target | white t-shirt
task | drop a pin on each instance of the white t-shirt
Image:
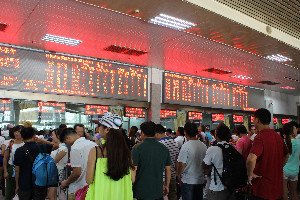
(180, 140)
(192, 153)
(13, 151)
(78, 157)
(2, 141)
(63, 162)
(214, 156)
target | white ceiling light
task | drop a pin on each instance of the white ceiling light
(171, 22)
(279, 58)
(288, 88)
(241, 77)
(61, 40)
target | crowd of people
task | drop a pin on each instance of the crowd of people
(152, 163)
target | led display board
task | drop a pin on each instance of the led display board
(135, 112)
(187, 90)
(168, 114)
(194, 115)
(216, 117)
(275, 120)
(285, 121)
(6, 105)
(95, 109)
(252, 119)
(25, 70)
(56, 107)
(238, 118)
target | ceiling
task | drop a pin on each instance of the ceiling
(215, 41)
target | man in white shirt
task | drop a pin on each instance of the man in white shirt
(189, 160)
(180, 139)
(214, 157)
(80, 149)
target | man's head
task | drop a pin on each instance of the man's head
(79, 128)
(223, 133)
(180, 131)
(160, 131)
(190, 130)
(28, 133)
(68, 136)
(253, 130)
(148, 129)
(240, 130)
(169, 132)
(108, 121)
(262, 118)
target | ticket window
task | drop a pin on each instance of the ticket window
(168, 118)
(168, 123)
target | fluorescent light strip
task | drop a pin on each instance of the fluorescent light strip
(171, 22)
(241, 77)
(279, 58)
(288, 88)
(61, 40)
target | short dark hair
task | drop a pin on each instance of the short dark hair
(223, 132)
(66, 132)
(169, 131)
(241, 129)
(134, 128)
(62, 126)
(148, 128)
(191, 129)
(13, 130)
(160, 129)
(263, 115)
(293, 123)
(28, 133)
(78, 125)
(181, 130)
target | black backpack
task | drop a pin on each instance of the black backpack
(234, 174)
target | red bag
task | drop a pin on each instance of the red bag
(81, 193)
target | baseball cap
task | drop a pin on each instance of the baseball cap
(110, 120)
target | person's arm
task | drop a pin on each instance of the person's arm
(167, 179)
(180, 168)
(251, 162)
(133, 174)
(3, 146)
(60, 156)
(90, 173)
(206, 168)
(17, 170)
(5, 163)
(76, 172)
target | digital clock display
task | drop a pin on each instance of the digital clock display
(238, 118)
(217, 117)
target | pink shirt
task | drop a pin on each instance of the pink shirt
(244, 145)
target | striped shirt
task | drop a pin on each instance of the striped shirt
(172, 146)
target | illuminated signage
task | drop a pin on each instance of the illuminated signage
(285, 121)
(168, 114)
(194, 115)
(217, 117)
(275, 120)
(95, 109)
(238, 118)
(56, 107)
(32, 71)
(6, 105)
(252, 119)
(135, 112)
(196, 91)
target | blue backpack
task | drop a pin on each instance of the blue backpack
(45, 171)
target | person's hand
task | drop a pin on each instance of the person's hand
(166, 190)
(5, 175)
(64, 184)
(17, 189)
(251, 177)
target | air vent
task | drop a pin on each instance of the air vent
(124, 50)
(3, 27)
(268, 83)
(292, 79)
(217, 71)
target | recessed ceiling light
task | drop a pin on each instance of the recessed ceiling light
(241, 77)
(279, 58)
(61, 40)
(171, 22)
(288, 88)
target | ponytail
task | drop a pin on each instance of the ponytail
(287, 131)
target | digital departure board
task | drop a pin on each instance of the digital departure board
(168, 114)
(252, 119)
(216, 117)
(95, 109)
(195, 91)
(6, 105)
(238, 118)
(56, 107)
(285, 121)
(194, 115)
(275, 120)
(135, 112)
(40, 72)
